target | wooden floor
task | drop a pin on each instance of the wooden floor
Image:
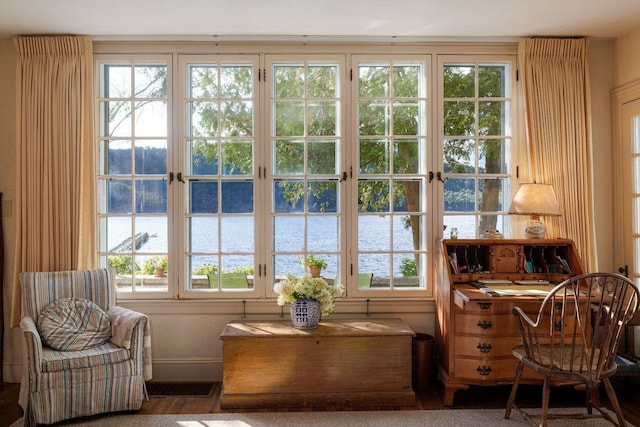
(627, 389)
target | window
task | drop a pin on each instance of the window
(221, 173)
(133, 163)
(218, 142)
(392, 170)
(305, 145)
(476, 145)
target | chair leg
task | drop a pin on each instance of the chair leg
(514, 390)
(589, 400)
(613, 399)
(545, 402)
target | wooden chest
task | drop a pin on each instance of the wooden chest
(342, 363)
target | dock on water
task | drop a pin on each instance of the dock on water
(126, 245)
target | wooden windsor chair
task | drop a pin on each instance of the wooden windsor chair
(575, 339)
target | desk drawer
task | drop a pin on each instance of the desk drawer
(486, 325)
(500, 325)
(492, 369)
(487, 369)
(485, 346)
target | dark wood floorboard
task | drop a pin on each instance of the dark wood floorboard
(627, 389)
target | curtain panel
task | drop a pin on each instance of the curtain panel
(558, 127)
(55, 201)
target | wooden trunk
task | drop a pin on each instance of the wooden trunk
(269, 364)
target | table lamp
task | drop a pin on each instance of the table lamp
(535, 200)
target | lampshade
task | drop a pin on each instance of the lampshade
(535, 200)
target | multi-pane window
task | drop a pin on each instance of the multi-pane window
(476, 146)
(220, 174)
(219, 140)
(133, 163)
(305, 146)
(391, 170)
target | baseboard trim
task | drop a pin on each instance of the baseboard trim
(187, 370)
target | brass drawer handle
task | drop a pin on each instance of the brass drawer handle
(484, 347)
(484, 370)
(484, 305)
(485, 324)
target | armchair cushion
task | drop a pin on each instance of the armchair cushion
(73, 324)
(104, 354)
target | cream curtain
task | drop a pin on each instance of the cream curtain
(55, 202)
(557, 112)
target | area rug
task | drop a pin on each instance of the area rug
(446, 417)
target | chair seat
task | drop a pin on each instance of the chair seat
(564, 358)
(563, 363)
(105, 354)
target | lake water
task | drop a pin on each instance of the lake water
(373, 236)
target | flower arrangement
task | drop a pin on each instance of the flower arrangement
(294, 288)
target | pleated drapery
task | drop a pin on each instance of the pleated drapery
(55, 201)
(557, 114)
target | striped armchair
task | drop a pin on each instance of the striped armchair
(58, 385)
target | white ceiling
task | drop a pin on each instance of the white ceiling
(328, 19)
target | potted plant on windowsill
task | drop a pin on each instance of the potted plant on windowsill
(156, 266)
(315, 265)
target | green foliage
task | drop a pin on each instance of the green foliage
(206, 269)
(212, 269)
(408, 267)
(121, 263)
(461, 117)
(246, 270)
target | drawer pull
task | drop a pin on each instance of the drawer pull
(484, 347)
(484, 305)
(485, 324)
(484, 370)
(558, 325)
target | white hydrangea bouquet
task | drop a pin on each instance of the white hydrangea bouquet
(295, 288)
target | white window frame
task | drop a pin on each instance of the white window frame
(433, 56)
(137, 291)
(512, 166)
(427, 273)
(308, 59)
(181, 206)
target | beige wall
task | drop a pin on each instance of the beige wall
(12, 355)
(601, 54)
(627, 58)
(197, 354)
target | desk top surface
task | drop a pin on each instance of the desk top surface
(327, 328)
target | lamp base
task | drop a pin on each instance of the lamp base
(534, 229)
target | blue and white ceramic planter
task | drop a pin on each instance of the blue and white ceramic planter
(305, 313)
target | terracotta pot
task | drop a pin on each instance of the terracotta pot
(159, 272)
(315, 270)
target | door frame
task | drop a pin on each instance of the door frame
(622, 97)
